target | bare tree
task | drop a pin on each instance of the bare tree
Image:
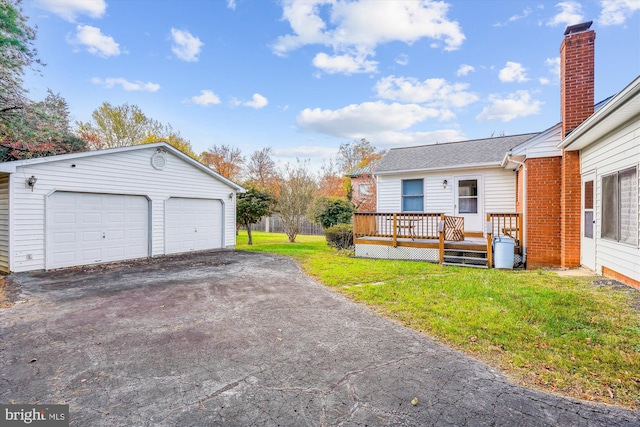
(297, 186)
(356, 154)
(261, 169)
(225, 160)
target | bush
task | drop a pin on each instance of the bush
(340, 236)
(329, 211)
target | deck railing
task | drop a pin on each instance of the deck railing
(397, 225)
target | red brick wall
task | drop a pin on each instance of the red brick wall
(571, 191)
(364, 202)
(576, 103)
(576, 79)
(543, 212)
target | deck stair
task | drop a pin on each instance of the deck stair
(466, 257)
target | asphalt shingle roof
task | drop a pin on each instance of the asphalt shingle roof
(451, 154)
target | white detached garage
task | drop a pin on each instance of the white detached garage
(111, 205)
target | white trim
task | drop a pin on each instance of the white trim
(440, 169)
(597, 123)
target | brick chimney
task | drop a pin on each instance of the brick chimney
(576, 75)
(576, 104)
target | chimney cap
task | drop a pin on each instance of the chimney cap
(578, 28)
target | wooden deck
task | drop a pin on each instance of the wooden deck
(435, 231)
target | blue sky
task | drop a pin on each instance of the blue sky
(304, 76)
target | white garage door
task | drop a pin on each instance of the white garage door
(192, 225)
(84, 228)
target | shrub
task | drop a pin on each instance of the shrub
(329, 211)
(340, 236)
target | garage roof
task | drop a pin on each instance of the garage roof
(10, 167)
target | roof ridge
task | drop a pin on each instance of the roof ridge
(466, 140)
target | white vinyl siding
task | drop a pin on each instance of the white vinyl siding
(126, 172)
(616, 152)
(543, 145)
(498, 186)
(4, 223)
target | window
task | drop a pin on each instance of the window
(588, 209)
(620, 206)
(468, 196)
(412, 195)
(364, 190)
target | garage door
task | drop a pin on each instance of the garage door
(84, 228)
(192, 225)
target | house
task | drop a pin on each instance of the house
(111, 205)
(364, 187)
(608, 146)
(540, 189)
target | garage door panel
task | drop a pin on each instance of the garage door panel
(85, 228)
(192, 224)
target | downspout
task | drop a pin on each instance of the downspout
(524, 206)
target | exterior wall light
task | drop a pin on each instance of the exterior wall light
(444, 184)
(230, 196)
(31, 182)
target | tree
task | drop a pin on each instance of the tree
(330, 211)
(225, 160)
(165, 133)
(16, 54)
(357, 154)
(253, 205)
(120, 126)
(261, 169)
(331, 182)
(297, 187)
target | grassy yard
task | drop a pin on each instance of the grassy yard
(569, 335)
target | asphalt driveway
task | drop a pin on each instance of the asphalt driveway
(243, 339)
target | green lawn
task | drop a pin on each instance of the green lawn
(561, 334)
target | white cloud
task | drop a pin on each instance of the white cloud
(185, 46)
(345, 64)
(433, 92)
(128, 86)
(258, 101)
(402, 59)
(616, 12)
(70, 9)
(368, 117)
(513, 72)
(465, 69)
(544, 81)
(517, 104)
(231, 4)
(526, 12)
(356, 28)
(553, 64)
(570, 14)
(95, 42)
(206, 97)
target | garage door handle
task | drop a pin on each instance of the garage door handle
(195, 230)
(104, 235)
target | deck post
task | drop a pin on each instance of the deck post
(395, 230)
(489, 230)
(441, 238)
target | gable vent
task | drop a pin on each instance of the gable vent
(158, 161)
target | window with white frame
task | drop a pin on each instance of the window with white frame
(412, 195)
(620, 206)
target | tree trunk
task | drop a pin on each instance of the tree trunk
(250, 239)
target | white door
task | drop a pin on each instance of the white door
(87, 228)
(588, 222)
(192, 225)
(468, 201)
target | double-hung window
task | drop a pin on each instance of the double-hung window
(620, 206)
(412, 195)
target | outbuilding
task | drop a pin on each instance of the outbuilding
(111, 205)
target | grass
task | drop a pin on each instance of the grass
(560, 334)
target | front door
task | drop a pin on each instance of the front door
(588, 222)
(468, 201)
